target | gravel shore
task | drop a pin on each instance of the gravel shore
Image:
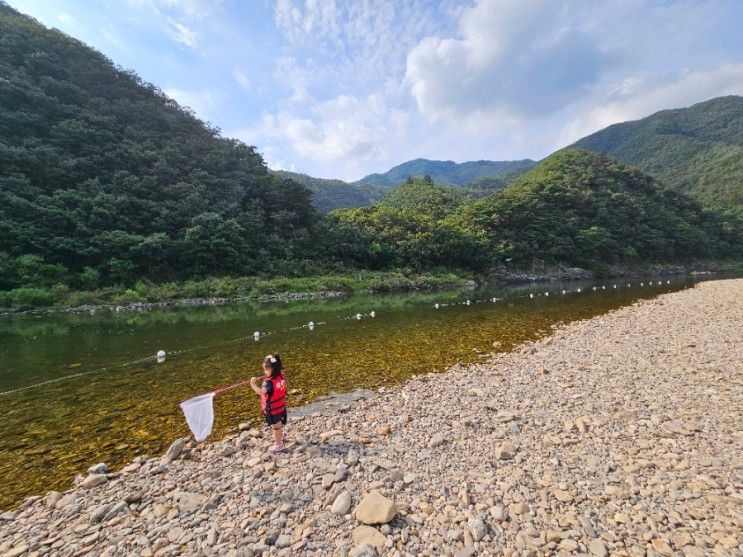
(621, 435)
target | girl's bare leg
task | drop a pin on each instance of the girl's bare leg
(277, 433)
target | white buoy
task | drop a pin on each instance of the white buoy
(603, 287)
(668, 282)
(615, 286)
(628, 285)
(546, 293)
(642, 284)
(358, 316)
(437, 306)
(311, 325)
(160, 356)
(256, 336)
(594, 288)
(563, 292)
(468, 302)
(372, 313)
(579, 290)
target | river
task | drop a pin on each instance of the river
(80, 389)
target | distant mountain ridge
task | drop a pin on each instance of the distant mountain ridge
(447, 172)
(481, 177)
(329, 193)
(697, 150)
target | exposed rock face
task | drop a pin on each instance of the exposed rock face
(629, 445)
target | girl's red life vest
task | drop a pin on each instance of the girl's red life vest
(277, 403)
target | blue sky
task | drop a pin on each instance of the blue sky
(339, 89)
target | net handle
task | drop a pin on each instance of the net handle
(230, 387)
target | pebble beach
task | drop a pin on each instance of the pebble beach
(617, 435)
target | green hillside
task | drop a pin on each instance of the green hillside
(697, 150)
(105, 179)
(446, 172)
(330, 194)
(574, 208)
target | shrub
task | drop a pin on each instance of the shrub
(31, 297)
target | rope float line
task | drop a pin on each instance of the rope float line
(160, 356)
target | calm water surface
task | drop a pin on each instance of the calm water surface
(77, 389)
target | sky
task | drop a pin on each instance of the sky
(340, 89)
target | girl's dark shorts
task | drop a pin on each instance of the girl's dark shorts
(273, 420)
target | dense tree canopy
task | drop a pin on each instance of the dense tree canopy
(101, 171)
(574, 208)
(697, 150)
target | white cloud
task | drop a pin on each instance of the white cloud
(345, 132)
(640, 95)
(367, 39)
(190, 9)
(66, 18)
(202, 102)
(241, 79)
(182, 34)
(523, 57)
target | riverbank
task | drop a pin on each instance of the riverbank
(221, 291)
(539, 272)
(618, 434)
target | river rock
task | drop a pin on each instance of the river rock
(342, 503)
(94, 480)
(100, 468)
(375, 509)
(367, 534)
(51, 498)
(173, 451)
(597, 548)
(477, 528)
(189, 502)
(363, 550)
(16, 551)
(506, 451)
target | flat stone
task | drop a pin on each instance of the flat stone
(563, 496)
(506, 451)
(598, 548)
(94, 480)
(16, 551)
(367, 534)
(375, 509)
(188, 501)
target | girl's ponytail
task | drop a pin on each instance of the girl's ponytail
(274, 362)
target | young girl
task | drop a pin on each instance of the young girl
(273, 398)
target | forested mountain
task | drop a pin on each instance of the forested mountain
(103, 178)
(475, 178)
(446, 172)
(330, 194)
(106, 181)
(575, 208)
(697, 150)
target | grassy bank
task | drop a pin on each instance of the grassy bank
(61, 296)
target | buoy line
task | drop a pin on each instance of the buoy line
(161, 355)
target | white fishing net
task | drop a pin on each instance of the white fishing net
(199, 415)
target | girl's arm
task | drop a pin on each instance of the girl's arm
(254, 385)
